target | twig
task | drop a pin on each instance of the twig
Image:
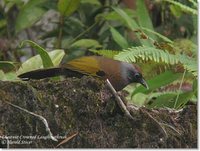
(119, 101)
(67, 139)
(157, 123)
(132, 107)
(172, 110)
(171, 127)
(36, 115)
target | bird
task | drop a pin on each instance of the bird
(120, 74)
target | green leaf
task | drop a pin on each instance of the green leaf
(183, 99)
(11, 76)
(128, 20)
(176, 11)
(158, 81)
(3, 23)
(106, 53)
(113, 15)
(30, 13)
(57, 56)
(167, 99)
(7, 76)
(139, 99)
(118, 38)
(8, 65)
(131, 23)
(46, 60)
(86, 43)
(94, 2)
(164, 100)
(35, 62)
(2, 76)
(143, 17)
(67, 7)
(157, 34)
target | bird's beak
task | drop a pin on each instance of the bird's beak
(144, 83)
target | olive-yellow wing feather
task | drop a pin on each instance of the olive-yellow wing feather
(85, 65)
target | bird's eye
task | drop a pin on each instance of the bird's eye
(137, 76)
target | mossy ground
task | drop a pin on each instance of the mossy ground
(85, 106)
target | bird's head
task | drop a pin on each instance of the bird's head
(132, 74)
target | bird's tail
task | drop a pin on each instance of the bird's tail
(46, 73)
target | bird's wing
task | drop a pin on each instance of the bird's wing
(85, 65)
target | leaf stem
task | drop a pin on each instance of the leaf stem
(84, 32)
(59, 41)
(179, 89)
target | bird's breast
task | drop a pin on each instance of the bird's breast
(112, 70)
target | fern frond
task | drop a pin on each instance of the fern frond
(183, 7)
(189, 64)
(106, 53)
(195, 4)
(145, 53)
